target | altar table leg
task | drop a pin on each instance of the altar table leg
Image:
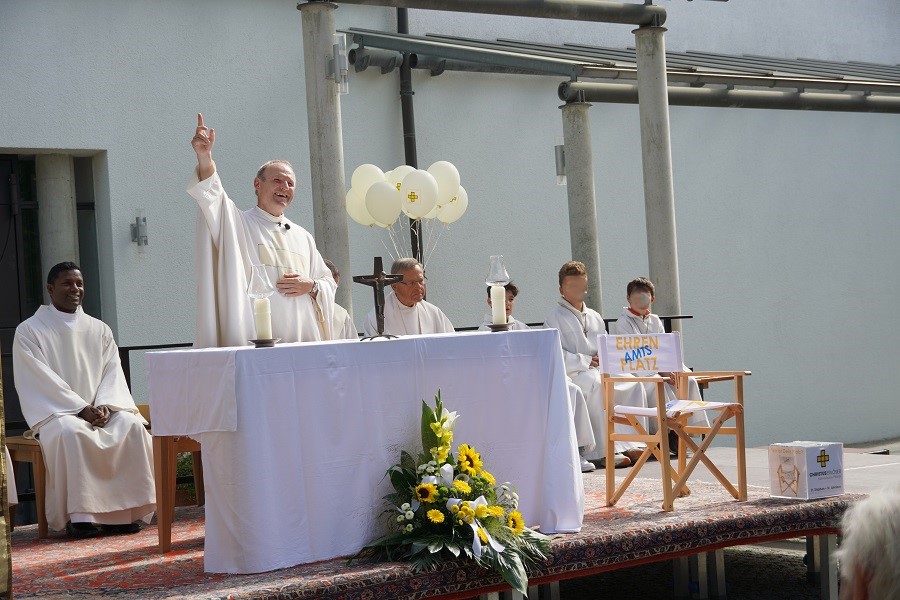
(819, 568)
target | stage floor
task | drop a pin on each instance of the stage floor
(634, 532)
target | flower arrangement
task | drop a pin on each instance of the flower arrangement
(445, 507)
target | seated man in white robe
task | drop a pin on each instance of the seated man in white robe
(229, 242)
(579, 327)
(98, 453)
(512, 290)
(636, 318)
(406, 312)
(342, 325)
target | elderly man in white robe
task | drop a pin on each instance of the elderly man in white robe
(98, 453)
(579, 327)
(406, 312)
(229, 242)
(343, 327)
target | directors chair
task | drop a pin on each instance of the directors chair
(637, 358)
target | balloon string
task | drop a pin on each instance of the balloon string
(436, 239)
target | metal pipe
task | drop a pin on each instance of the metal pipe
(326, 150)
(583, 236)
(362, 58)
(656, 151)
(408, 118)
(626, 93)
(573, 10)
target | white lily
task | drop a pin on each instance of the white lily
(448, 418)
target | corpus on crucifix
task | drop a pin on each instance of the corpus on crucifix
(378, 279)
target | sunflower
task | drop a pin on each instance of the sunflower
(435, 516)
(426, 492)
(515, 522)
(462, 487)
(469, 461)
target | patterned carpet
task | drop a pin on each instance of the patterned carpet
(634, 532)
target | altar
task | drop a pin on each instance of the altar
(296, 439)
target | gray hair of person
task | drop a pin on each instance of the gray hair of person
(871, 541)
(261, 173)
(404, 264)
(332, 267)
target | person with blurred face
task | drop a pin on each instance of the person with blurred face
(342, 325)
(72, 391)
(638, 319)
(579, 326)
(229, 241)
(512, 290)
(406, 312)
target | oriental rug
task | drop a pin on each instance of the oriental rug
(634, 532)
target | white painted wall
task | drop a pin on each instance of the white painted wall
(786, 219)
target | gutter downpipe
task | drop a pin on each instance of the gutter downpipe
(409, 130)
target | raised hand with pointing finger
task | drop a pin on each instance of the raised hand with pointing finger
(202, 143)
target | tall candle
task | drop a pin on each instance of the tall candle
(498, 304)
(262, 313)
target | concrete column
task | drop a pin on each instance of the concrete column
(326, 149)
(582, 204)
(659, 193)
(57, 218)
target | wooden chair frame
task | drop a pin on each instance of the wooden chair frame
(674, 479)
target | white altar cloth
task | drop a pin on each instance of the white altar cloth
(296, 439)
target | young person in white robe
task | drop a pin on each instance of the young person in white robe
(98, 453)
(512, 290)
(579, 327)
(228, 242)
(584, 433)
(342, 324)
(636, 318)
(406, 312)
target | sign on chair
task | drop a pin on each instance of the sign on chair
(640, 354)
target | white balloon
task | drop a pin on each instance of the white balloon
(433, 212)
(447, 177)
(395, 177)
(419, 192)
(356, 208)
(453, 210)
(383, 203)
(364, 176)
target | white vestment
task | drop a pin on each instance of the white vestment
(630, 323)
(578, 331)
(227, 243)
(421, 317)
(62, 363)
(342, 326)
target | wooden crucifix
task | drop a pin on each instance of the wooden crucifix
(378, 279)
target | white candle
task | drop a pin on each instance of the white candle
(262, 313)
(498, 304)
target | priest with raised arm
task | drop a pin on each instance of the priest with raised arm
(230, 241)
(98, 454)
(406, 312)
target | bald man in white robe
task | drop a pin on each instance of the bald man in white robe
(98, 453)
(229, 241)
(406, 312)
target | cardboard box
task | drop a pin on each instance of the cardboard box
(806, 470)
